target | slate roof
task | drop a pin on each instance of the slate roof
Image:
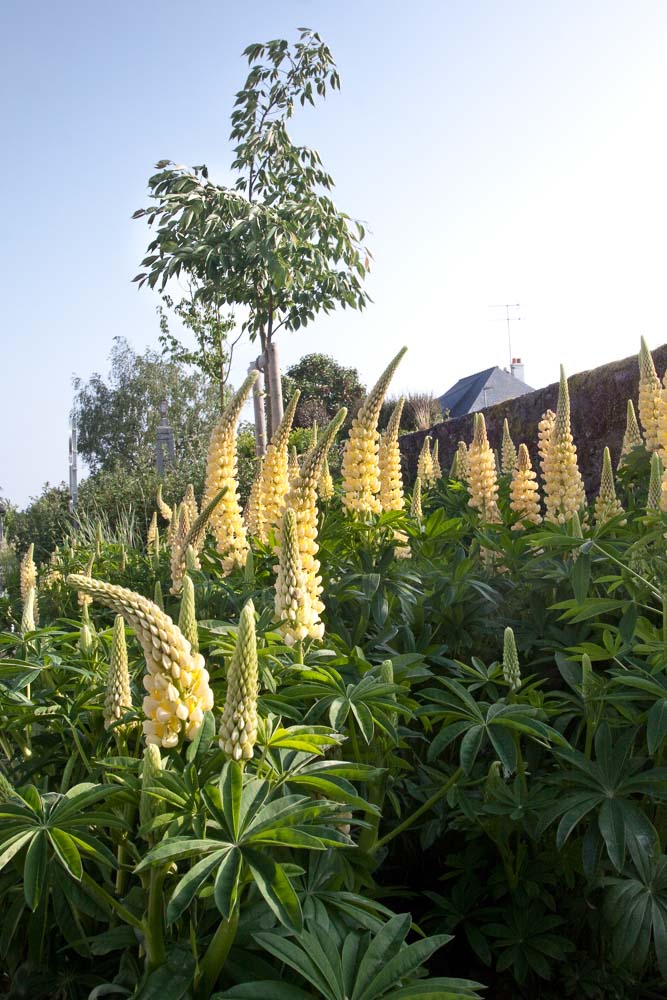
(468, 395)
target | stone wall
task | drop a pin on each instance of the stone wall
(598, 400)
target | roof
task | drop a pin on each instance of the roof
(485, 388)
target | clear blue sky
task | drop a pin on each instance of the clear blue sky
(499, 152)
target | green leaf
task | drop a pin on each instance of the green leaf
(407, 961)
(386, 943)
(13, 846)
(227, 881)
(189, 885)
(34, 871)
(203, 739)
(612, 828)
(276, 889)
(656, 725)
(231, 792)
(469, 748)
(66, 852)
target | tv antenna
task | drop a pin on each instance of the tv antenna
(509, 319)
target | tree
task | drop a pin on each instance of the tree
(117, 417)
(274, 243)
(325, 386)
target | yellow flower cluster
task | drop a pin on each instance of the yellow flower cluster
(650, 393)
(118, 699)
(524, 498)
(482, 475)
(425, 462)
(275, 477)
(607, 504)
(28, 583)
(389, 457)
(360, 467)
(176, 681)
(325, 487)
(461, 459)
(563, 485)
(544, 432)
(435, 458)
(238, 726)
(293, 467)
(508, 451)
(182, 521)
(294, 609)
(633, 436)
(226, 519)
(163, 507)
(190, 501)
(253, 513)
(416, 499)
(153, 534)
(302, 498)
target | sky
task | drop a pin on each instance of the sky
(498, 152)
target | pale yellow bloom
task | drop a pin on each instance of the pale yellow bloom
(360, 467)
(325, 487)
(118, 699)
(238, 726)
(650, 392)
(633, 436)
(607, 505)
(302, 498)
(563, 485)
(435, 458)
(28, 615)
(28, 582)
(293, 467)
(294, 609)
(425, 462)
(176, 682)
(416, 499)
(461, 459)
(482, 474)
(253, 514)
(187, 616)
(163, 507)
(544, 432)
(190, 501)
(226, 519)
(275, 477)
(189, 540)
(508, 451)
(524, 498)
(182, 521)
(389, 457)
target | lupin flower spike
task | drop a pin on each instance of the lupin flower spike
(482, 476)
(650, 392)
(28, 615)
(563, 485)
(118, 698)
(360, 467)
(294, 609)
(226, 519)
(607, 505)
(544, 432)
(524, 499)
(152, 534)
(238, 726)
(253, 514)
(654, 498)
(633, 436)
(190, 501)
(163, 507)
(435, 459)
(425, 462)
(462, 464)
(508, 454)
(325, 487)
(189, 541)
(28, 582)
(416, 500)
(391, 479)
(275, 475)
(187, 617)
(157, 595)
(511, 668)
(176, 681)
(293, 467)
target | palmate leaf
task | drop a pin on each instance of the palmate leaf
(636, 909)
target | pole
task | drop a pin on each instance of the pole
(258, 404)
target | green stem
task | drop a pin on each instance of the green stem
(413, 817)
(299, 651)
(108, 900)
(156, 952)
(664, 619)
(354, 742)
(216, 955)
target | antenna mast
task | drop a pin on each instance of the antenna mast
(508, 319)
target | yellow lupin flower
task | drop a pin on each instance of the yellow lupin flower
(482, 475)
(524, 498)
(28, 582)
(508, 454)
(462, 464)
(633, 436)
(544, 432)
(118, 698)
(293, 467)
(425, 462)
(176, 681)
(302, 498)
(163, 507)
(650, 392)
(389, 457)
(607, 505)
(182, 521)
(238, 726)
(416, 499)
(325, 487)
(654, 499)
(360, 467)
(563, 485)
(226, 519)
(275, 476)
(189, 540)
(253, 513)
(153, 533)
(294, 609)
(190, 501)
(435, 459)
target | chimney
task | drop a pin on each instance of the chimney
(517, 369)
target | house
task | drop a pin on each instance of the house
(485, 388)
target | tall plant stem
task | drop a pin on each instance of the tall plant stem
(216, 954)
(413, 817)
(156, 953)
